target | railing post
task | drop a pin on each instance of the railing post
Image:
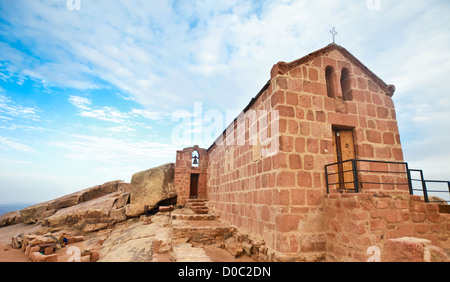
(326, 179)
(424, 188)
(355, 175)
(448, 183)
(408, 173)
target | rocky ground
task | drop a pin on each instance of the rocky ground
(128, 241)
(109, 219)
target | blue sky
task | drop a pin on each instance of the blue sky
(90, 95)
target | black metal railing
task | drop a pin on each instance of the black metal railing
(425, 187)
(357, 175)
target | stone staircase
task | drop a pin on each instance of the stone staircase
(198, 206)
(191, 228)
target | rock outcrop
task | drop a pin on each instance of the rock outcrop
(151, 187)
(69, 205)
(88, 216)
(100, 206)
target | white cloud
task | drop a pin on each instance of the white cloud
(111, 114)
(80, 102)
(147, 114)
(111, 150)
(118, 129)
(12, 110)
(9, 144)
(86, 109)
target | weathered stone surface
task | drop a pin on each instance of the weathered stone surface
(87, 216)
(234, 247)
(131, 242)
(44, 210)
(408, 249)
(38, 257)
(31, 214)
(151, 187)
(11, 218)
(163, 241)
(122, 200)
(186, 253)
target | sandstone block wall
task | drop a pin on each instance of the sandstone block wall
(355, 222)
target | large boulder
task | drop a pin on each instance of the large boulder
(151, 187)
(88, 216)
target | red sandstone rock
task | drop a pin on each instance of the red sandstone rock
(38, 257)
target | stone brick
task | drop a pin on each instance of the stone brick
(295, 161)
(377, 224)
(342, 119)
(280, 160)
(304, 179)
(388, 138)
(313, 197)
(406, 230)
(300, 145)
(321, 116)
(373, 136)
(434, 217)
(286, 111)
(393, 216)
(383, 153)
(292, 98)
(312, 145)
(313, 74)
(398, 154)
(382, 112)
(286, 143)
(298, 197)
(305, 101)
(293, 127)
(362, 83)
(418, 217)
(287, 222)
(319, 88)
(286, 179)
(277, 98)
(309, 162)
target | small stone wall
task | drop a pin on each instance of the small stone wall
(356, 222)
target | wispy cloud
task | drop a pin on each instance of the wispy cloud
(112, 150)
(9, 109)
(111, 114)
(10, 144)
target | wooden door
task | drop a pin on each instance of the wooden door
(344, 149)
(194, 186)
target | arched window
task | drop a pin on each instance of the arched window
(195, 159)
(331, 81)
(346, 85)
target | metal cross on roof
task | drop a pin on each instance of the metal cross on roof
(334, 33)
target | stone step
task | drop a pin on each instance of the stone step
(194, 216)
(201, 232)
(196, 204)
(200, 210)
(196, 200)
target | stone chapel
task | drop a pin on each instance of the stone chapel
(314, 165)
